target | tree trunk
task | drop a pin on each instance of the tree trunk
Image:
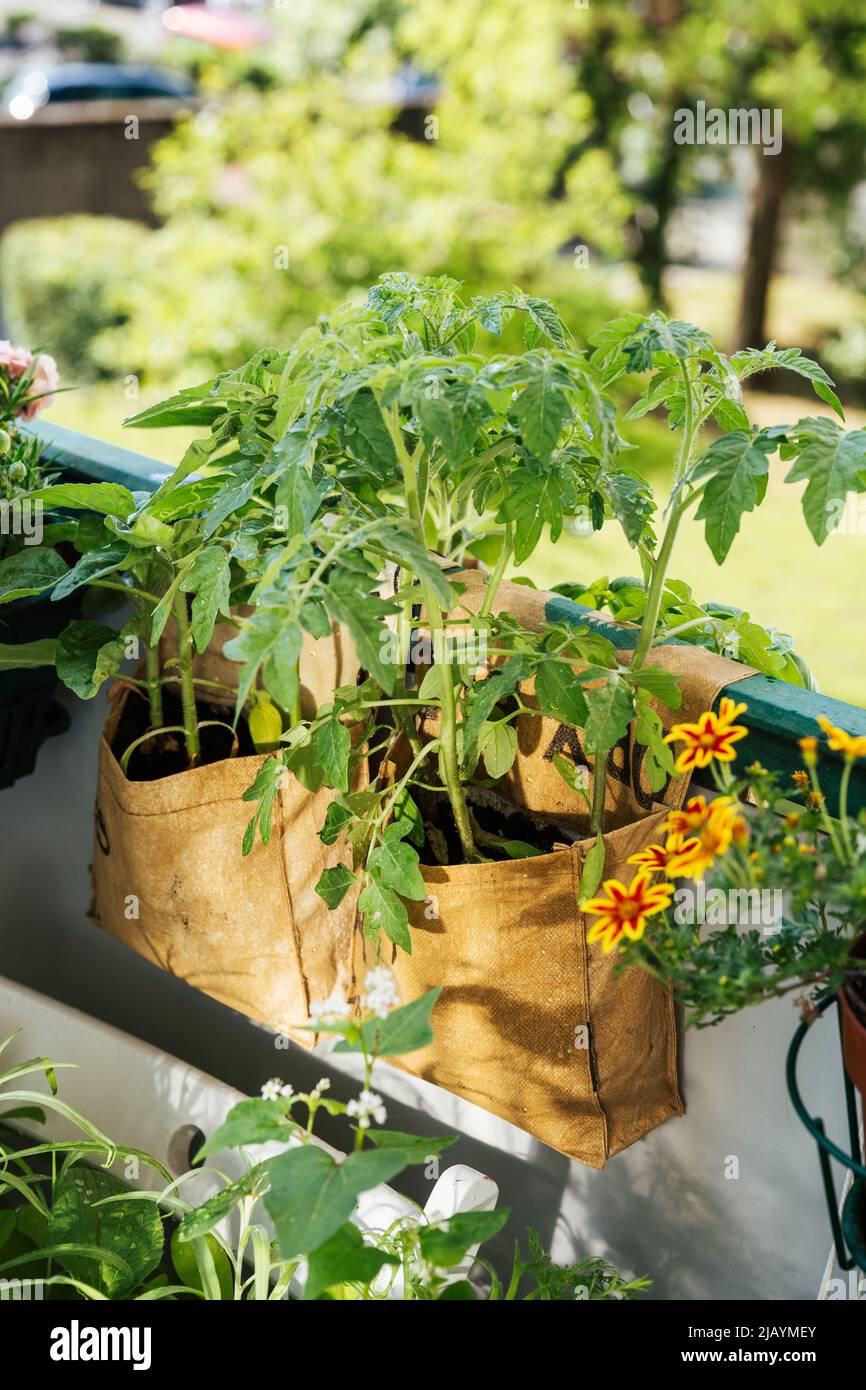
(774, 181)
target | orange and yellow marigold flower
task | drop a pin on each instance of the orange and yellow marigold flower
(623, 911)
(716, 836)
(710, 738)
(673, 858)
(713, 825)
(696, 812)
(840, 742)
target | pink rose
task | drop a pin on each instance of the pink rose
(44, 383)
(16, 360)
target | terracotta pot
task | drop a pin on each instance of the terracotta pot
(854, 1030)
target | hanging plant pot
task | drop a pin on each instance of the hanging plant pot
(852, 1003)
(171, 880)
(29, 712)
(533, 1023)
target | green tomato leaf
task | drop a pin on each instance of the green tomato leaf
(108, 498)
(396, 865)
(481, 699)
(543, 408)
(593, 870)
(661, 684)
(95, 564)
(383, 909)
(299, 499)
(87, 654)
(334, 884)
(736, 466)
(333, 745)
(26, 656)
(649, 731)
(833, 463)
(208, 580)
(752, 360)
(497, 745)
(265, 723)
(560, 694)
(611, 710)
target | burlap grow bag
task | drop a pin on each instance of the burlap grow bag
(171, 881)
(532, 1024)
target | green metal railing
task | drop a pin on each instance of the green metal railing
(848, 1232)
(778, 713)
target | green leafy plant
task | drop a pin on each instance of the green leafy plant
(310, 1194)
(284, 1226)
(345, 481)
(433, 448)
(64, 1221)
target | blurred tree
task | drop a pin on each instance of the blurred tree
(642, 61)
(807, 58)
(278, 204)
(91, 43)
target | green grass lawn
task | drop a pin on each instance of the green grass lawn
(774, 571)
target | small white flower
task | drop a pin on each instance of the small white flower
(860, 842)
(330, 1010)
(287, 1091)
(273, 1089)
(380, 991)
(367, 1107)
(323, 1084)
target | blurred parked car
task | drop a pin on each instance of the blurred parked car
(30, 91)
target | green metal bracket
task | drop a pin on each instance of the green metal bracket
(849, 1234)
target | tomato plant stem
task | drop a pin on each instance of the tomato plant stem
(599, 786)
(154, 687)
(187, 686)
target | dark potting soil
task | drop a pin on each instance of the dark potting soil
(164, 755)
(493, 816)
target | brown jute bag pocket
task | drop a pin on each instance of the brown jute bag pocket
(532, 1023)
(170, 880)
